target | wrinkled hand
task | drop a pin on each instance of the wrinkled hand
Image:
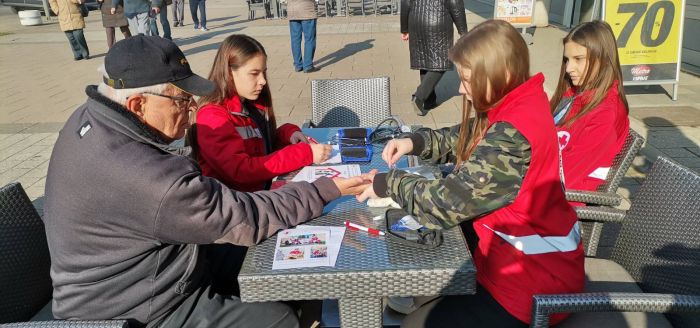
(320, 152)
(404, 36)
(351, 186)
(396, 148)
(113, 11)
(298, 137)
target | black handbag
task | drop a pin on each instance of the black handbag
(84, 10)
(398, 232)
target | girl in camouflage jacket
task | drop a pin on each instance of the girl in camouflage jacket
(505, 182)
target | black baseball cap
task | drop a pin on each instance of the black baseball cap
(141, 61)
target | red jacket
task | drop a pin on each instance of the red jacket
(233, 150)
(533, 245)
(590, 144)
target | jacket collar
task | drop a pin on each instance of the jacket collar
(530, 87)
(121, 120)
(235, 104)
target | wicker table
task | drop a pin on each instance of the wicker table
(368, 267)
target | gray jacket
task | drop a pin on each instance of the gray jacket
(124, 215)
(301, 9)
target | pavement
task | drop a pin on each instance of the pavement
(41, 85)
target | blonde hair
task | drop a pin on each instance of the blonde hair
(499, 61)
(602, 69)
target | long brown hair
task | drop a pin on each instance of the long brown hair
(234, 52)
(602, 70)
(499, 61)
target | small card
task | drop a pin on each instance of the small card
(301, 248)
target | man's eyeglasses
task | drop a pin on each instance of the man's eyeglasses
(183, 103)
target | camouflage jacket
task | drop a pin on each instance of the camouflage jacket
(489, 180)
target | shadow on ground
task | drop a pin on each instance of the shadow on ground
(346, 51)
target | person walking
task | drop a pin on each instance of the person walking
(178, 13)
(113, 18)
(302, 20)
(427, 26)
(72, 24)
(201, 22)
(163, 21)
(138, 13)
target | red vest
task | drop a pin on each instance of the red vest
(531, 246)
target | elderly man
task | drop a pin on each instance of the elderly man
(128, 217)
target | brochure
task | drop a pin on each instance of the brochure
(311, 173)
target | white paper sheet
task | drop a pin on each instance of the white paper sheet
(302, 248)
(311, 173)
(337, 234)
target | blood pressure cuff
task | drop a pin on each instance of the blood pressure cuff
(402, 228)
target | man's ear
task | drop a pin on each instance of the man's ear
(135, 105)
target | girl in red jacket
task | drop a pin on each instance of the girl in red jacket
(589, 106)
(237, 139)
(505, 184)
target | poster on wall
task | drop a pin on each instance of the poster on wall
(517, 12)
(649, 38)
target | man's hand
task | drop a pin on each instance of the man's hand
(352, 186)
(298, 137)
(404, 36)
(320, 152)
(156, 10)
(396, 148)
(113, 11)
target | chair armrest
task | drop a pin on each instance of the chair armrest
(307, 124)
(69, 324)
(593, 197)
(599, 214)
(544, 305)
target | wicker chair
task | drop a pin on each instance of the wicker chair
(655, 266)
(24, 265)
(349, 103)
(606, 195)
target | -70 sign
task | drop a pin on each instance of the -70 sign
(642, 9)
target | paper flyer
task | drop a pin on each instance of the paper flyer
(301, 248)
(311, 173)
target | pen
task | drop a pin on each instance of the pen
(311, 139)
(353, 226)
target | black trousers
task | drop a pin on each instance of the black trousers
(426, 89)
(217, 305)
(478, 310)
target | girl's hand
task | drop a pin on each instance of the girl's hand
(320, 152)
(396, 148)
(298, 137)
(367, 194)
(404, 36)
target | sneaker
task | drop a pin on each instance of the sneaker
(311, 70)
(204, 29)
(196, 26)
(297, 69)
(418, 106)
(404, 305)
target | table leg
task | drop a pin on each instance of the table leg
(360, 312)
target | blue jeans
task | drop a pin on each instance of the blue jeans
(163, 21)
(78, 45)
(308, 28)
(202, 5)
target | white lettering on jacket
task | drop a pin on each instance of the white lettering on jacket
(248, 132)
(536, 244)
